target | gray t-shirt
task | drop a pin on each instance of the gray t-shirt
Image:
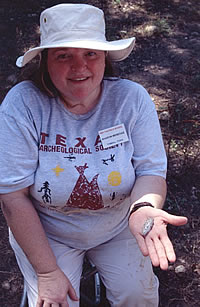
(80, 189)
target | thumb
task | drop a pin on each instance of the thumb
(72, 294)
(176, 220)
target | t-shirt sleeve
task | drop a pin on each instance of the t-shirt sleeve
(18, 145)
(149, 157)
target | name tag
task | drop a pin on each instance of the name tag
(113, 136)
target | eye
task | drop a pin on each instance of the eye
(91, 54)
(63, 56)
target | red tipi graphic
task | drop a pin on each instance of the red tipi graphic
(85, 195)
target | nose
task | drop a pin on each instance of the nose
(79, 63)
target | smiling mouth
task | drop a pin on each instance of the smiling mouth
(79, 79)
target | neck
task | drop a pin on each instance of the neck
(82, 106)
(78, 108)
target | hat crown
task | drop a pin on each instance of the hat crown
(72, 22)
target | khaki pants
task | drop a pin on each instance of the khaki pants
(126, 274)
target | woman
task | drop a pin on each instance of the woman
(83, 168)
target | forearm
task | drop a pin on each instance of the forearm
(150, 189)
(27, 229)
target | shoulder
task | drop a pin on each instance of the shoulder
(24, 95)
(125, 88)
(122, 83)
(128, 92)
(24, 102)
(22, 89)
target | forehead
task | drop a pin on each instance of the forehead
(72, 50)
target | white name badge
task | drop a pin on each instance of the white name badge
(113, 136)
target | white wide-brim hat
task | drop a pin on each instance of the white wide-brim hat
(76, 26)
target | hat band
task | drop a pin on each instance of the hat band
(73, 35)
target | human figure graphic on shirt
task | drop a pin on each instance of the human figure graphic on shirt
(110, 159)
(47, 192)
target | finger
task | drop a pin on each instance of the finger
(39, 303)
(161, 253)
(178, 220)
(152, 251)
(142, 245)
(65, 304)
(169, 250)
(72, 293)
(49, 303)
(174, 219)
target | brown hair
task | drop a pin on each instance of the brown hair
(43, 81)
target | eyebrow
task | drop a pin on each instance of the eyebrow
(60, 49)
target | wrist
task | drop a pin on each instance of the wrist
(47, 266)
(48, 271)
(138, 206)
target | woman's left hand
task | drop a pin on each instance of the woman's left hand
(156, 243)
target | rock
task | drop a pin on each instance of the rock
(164, 115)
(180, 269)
(150, 30)
(6, 285)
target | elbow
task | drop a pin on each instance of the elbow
(11, 202)
(7, 212)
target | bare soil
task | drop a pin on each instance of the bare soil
(166, 62)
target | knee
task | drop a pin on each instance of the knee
(132, 292)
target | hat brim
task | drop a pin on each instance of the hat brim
(118, 50)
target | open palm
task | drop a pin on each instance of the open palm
(156, 243)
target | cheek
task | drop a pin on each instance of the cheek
(100, 68)
(57, 74)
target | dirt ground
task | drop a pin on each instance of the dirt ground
(166, 62)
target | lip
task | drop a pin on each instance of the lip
(79, 79)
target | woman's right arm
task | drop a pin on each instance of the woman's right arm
(28, 231)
